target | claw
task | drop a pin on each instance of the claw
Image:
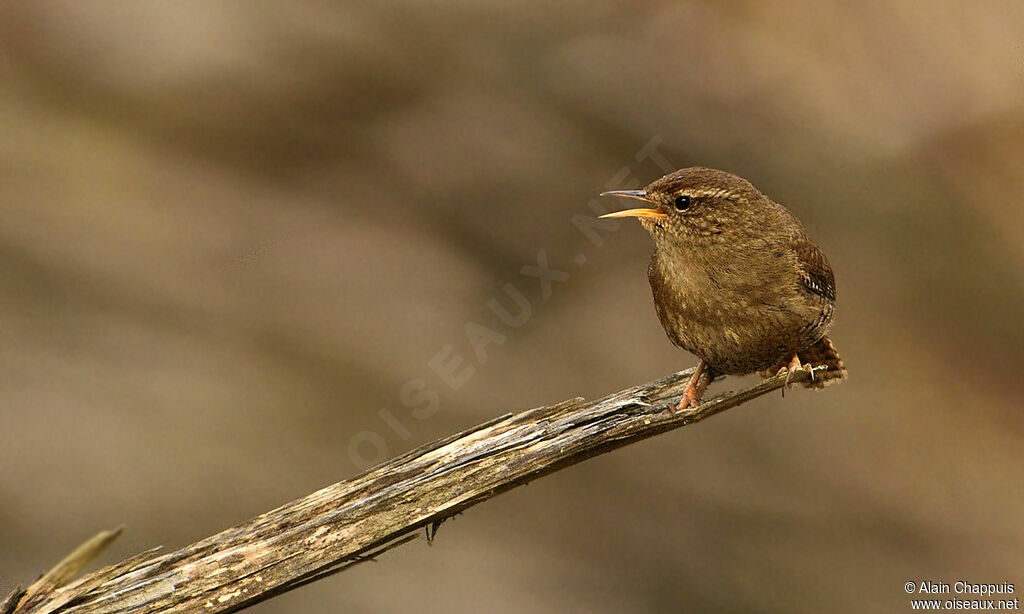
(689, 400)
(794, 366)
(699, 382)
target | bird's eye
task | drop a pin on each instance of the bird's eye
(682, 202)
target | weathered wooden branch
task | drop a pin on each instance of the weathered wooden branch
(355, 520)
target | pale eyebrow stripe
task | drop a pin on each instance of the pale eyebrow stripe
(705, 193)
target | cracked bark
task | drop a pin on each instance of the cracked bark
(355, 520)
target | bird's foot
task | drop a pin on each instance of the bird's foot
(789, 370)
(699, 382)
(690, 399)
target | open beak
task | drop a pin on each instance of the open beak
(646, 213)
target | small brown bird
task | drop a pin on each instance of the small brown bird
(736, 280)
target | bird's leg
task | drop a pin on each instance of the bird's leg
(794, 366)
(699, 382)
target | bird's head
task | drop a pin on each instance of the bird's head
(698, 206)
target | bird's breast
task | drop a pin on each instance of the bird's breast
(739, 317)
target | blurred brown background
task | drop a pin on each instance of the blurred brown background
(230, 232)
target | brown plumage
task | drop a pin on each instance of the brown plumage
(735, 279)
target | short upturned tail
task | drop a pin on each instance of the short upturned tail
(823, 353)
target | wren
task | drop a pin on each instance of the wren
(736, 280)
